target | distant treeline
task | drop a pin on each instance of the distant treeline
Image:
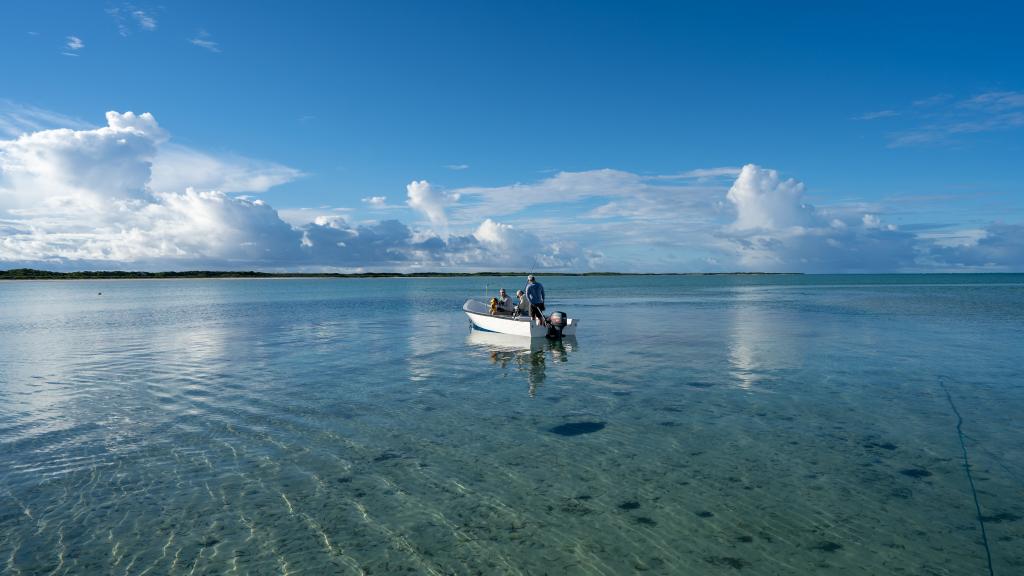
(30, 274)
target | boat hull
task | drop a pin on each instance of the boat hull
(480, 316)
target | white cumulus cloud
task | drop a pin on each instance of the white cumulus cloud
(775, 230)
(764, 200)
(505, 240)
(65, 169)
(424, 198)
(88, 195)
(123, 196)
(498, 246)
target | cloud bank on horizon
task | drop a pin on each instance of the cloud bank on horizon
(123, 196)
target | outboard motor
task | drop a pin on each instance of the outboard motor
(556, 323)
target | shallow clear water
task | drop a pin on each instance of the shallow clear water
(772, 425)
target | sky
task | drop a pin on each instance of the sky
(651, 136)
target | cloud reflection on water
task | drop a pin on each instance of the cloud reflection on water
(759, 341)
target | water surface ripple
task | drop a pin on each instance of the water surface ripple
(706, 425)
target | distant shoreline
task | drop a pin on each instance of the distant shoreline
(31, 274)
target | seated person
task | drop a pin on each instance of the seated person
(523, 306)
(504, 304)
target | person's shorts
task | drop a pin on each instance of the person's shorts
(537, 307)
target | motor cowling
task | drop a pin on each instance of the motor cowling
(557, 322)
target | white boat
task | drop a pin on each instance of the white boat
(481, 318)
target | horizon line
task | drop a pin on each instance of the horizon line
(38, 274)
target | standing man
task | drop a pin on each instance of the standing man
(535, 294)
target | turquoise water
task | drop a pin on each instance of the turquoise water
(704, 425)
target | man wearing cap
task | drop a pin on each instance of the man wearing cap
(535, 294)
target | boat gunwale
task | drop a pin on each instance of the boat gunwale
(521, 318)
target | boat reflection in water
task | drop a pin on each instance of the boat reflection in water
(529, 355)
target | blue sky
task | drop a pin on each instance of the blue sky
(468, 135)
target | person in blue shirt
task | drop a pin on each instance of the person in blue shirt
(535, 294)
